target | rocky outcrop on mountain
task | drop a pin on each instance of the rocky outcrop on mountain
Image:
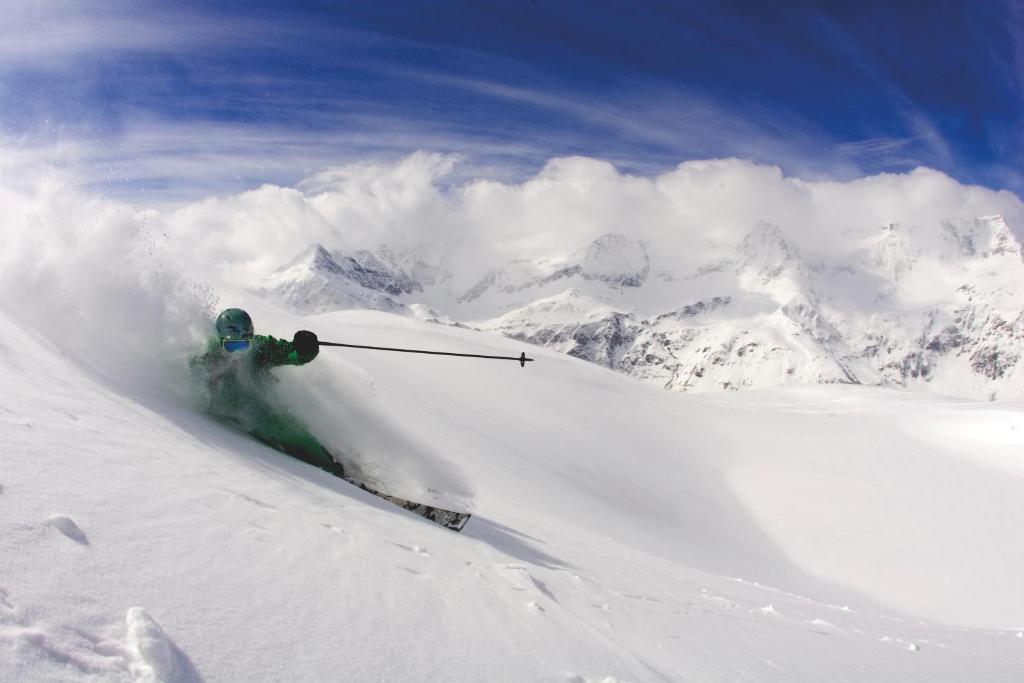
(971, 350)
(318, 280)
(574, 324)
(684, 350)
(497, 278)
(695, 309)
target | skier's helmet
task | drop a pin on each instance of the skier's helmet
(234, 324)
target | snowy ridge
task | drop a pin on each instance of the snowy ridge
(318, 280)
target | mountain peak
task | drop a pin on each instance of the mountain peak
(1001, 239)
(615, 260)
(313, 256)
(318, 280)
(767, 253)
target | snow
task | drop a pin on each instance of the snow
(156, 660)
(620, 532)
(570, 307)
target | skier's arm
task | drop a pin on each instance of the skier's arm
(206, 361)
(271, 351)
(209, 368)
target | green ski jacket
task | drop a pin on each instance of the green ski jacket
(235, 378)
(240, 388)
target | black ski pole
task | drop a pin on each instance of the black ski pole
(523, 360)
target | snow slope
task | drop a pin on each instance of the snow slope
(621, 532)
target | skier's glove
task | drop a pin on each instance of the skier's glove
(306, 343)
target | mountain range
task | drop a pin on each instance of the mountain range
(930, 307)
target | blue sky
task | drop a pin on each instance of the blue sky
(194, 100)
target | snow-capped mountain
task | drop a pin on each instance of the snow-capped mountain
(318, 280)
(893, 314)
(933, 307)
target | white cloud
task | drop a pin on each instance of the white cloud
(160, 163)
(48, 33)
(875, 148)
(688, 214)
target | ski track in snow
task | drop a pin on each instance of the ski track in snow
(576, 567)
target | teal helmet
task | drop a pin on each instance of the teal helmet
(234, 324)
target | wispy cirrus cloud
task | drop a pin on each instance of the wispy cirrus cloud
(875, 146)
(45, 35)
(180, 100)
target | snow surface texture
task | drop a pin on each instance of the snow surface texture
(620, 532)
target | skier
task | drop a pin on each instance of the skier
(236, 368)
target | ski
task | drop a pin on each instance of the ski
(446, 518)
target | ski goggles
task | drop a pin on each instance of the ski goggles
(232, 345)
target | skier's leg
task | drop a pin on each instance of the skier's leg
(285, 433)
(305, 447)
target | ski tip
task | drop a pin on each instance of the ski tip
(459, 523)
